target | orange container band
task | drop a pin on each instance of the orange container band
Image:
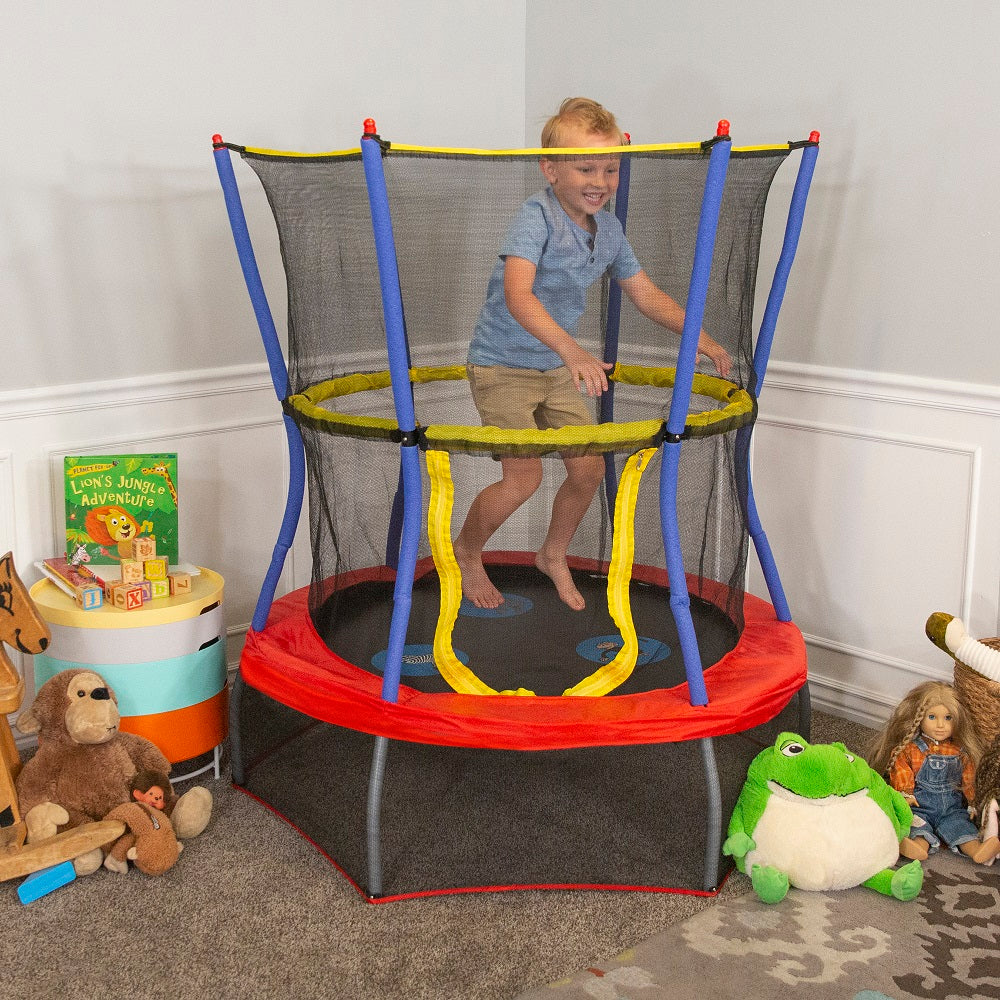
(185, 732)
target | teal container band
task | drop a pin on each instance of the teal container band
(154, 687)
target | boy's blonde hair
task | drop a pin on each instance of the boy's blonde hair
(583, 113)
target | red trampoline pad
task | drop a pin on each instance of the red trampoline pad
(291, 664)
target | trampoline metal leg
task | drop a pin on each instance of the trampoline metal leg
(805, 712)
(713, 839)
(235, 744)
(374, 816)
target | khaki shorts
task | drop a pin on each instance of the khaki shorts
(526, 399)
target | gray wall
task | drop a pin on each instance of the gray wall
(901, 249)
(117, 259)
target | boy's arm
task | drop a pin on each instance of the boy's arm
(656, 305)
(527, 309)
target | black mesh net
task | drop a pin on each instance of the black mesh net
(449, 215)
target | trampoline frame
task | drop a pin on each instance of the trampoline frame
(372, 150)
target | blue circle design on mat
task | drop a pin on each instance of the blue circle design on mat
(513, 604)
(418, 660)
(604, 648)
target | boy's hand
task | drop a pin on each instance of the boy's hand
(587, 371)
(716, 353)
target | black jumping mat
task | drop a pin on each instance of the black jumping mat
(533, 641)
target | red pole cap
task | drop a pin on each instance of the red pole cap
(626, 139)
(814, 136)
(723, 129)
(369, 127)
(217, 140)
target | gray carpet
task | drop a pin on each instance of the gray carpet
(252, 910)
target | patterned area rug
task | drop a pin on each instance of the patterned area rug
(850, 945)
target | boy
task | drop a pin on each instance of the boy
(525, 369)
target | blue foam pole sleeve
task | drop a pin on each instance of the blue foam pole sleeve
(402, 596)
(766, 559)
(402, 394)
(793, 228)
(289, 523)
(762, 353)
(701, 271)
(251, 273)
(680, 601)
(279, 379)
(392, 299)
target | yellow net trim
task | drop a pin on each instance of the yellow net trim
(609, 675)
(663, 147)
(737, 408)
(400, 147)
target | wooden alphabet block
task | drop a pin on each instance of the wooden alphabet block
(143, 548)
(132, 571)
(161, 588)
(89, 598)
(156, 568)
(128, 597)
(180, 584)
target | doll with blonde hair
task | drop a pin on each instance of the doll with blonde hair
(929, 752)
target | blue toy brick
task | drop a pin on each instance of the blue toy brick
(41, 883)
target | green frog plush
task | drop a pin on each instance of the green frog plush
(818, 817)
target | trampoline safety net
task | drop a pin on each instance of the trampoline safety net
(440, 780)
(449, 216)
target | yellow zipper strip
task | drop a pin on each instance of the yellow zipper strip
(611, 675)
(442, 500)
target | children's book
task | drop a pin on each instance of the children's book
(111, 499)
(68, 577)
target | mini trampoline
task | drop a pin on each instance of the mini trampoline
(427, 746)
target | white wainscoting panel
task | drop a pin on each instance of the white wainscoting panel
(226, 427)
(878, 496)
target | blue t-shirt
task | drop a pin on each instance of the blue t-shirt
(568, 260)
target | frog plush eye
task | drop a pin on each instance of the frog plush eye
(850, 758)
(792, 749)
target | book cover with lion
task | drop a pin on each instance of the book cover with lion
(111, 499)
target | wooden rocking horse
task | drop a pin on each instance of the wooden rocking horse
(24, 629)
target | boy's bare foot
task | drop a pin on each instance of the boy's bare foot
(557, 570)
(476, 585)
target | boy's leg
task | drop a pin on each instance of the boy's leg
(520, 478)
(583, 475)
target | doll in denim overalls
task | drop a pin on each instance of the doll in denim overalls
(929, 753)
